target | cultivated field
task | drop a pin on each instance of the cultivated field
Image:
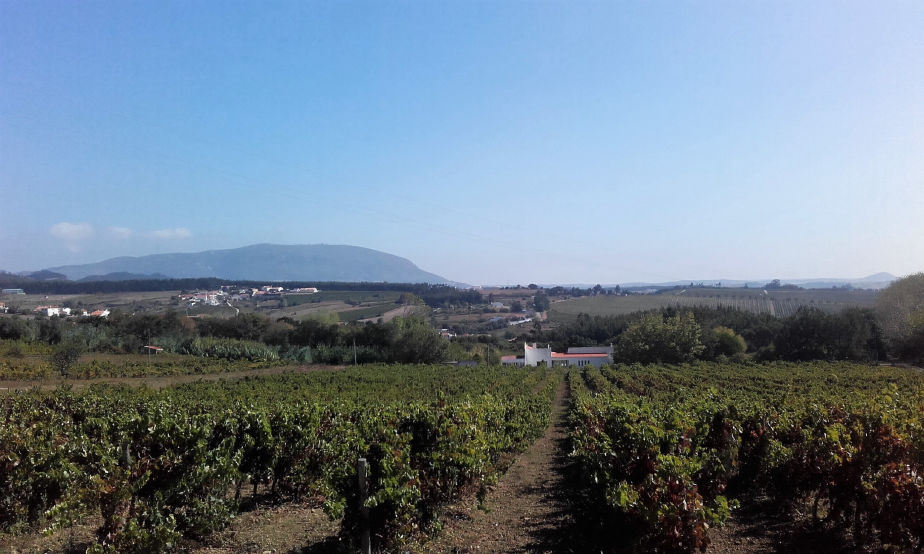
(157, 301)
(634, 457)
(778, 303)
(180, 463)
(344, 305)
(668, 451)
(34, 368)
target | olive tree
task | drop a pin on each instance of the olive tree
(900, 308)
(655, 338)
(65, 356)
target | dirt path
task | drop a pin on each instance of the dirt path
(528, 510)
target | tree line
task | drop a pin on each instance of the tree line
(677, 335)
(894, 328)
(245, 336)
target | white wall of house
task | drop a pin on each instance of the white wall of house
(534, 355)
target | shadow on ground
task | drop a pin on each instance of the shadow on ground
(581, 530)
(330, 545)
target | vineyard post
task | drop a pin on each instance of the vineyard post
(362, 468)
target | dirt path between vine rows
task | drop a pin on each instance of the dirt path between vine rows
(528, 510)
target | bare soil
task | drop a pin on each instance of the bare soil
(402, 311)
(529, 510)
(758, 526)
(286, 528)
(71, 540)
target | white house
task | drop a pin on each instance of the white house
(596, 356)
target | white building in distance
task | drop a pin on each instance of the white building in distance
(580, 356)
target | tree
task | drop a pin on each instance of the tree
(659, 339)
(812, 334)
(410, 299)
(857, 335)
(417, 343)
(537, 327)
(541, 302)
(15, 328)
(725, 342)
(64, 357)
(50, 330)
(516, 306)
(806, 335)
(900, 309)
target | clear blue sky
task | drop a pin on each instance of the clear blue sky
(489, 142)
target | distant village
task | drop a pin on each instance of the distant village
(63, 312)
(52, 310)
(229, 294)
(225, 295)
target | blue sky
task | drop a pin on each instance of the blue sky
(489, 142)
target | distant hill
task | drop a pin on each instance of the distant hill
(7, 277)
(45, 275)
(269, 262)
(876, 281)
(122, 276)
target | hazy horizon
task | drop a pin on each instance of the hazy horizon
(487, 143)
(524, 282)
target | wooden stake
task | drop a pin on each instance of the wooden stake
(362, 472)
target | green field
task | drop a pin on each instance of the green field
(780, 303)
(348, 305)
(342, 295)
(157, 301)
(365, 312)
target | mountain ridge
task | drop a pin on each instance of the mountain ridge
(267, 262)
